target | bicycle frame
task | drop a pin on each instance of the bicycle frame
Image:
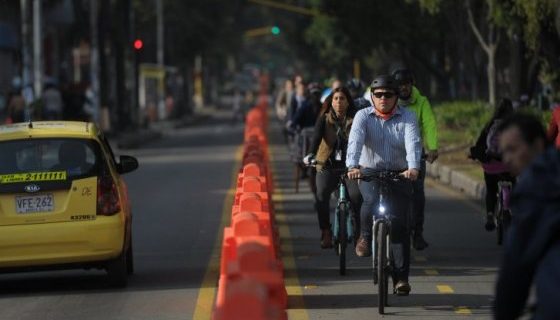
(503, 214)
(504, 191)
(343, 201)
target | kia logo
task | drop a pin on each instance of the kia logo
(32, 188)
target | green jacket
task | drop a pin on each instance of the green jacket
(426, 120)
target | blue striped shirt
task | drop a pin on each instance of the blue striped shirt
(378, 144)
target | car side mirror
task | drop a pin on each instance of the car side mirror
(127, 164)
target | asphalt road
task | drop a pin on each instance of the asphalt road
(177, 196)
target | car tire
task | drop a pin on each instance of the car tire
(117, 271)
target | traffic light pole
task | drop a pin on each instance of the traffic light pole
(37, 50)
(25, 50)
(94, 60)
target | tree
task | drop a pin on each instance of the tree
(489, 45)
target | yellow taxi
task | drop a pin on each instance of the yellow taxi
(63, 203)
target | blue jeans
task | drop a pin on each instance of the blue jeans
(398, 203)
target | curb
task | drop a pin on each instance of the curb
(457, 180)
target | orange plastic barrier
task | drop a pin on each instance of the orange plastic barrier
(251, 284)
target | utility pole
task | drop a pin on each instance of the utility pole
(160, 57)
(25, 51)
(94, 59)
(37, 49)
(160, 43)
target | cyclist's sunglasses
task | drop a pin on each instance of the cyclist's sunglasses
(387, 95)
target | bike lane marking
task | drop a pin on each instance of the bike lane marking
(208, 287)
(463, 311)
(445, 289)
(296, 305)
(431, 272)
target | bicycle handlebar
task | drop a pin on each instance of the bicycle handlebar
(383, 175)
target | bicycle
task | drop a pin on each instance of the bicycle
(381, 236)
(503, 213)
(344, 221)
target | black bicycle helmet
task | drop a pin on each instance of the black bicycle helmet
(385, 82)
(404, 76)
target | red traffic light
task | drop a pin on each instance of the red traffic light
(138, 44)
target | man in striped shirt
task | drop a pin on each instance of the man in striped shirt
(386, 137)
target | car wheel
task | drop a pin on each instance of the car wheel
(117, 271)
(129, 260)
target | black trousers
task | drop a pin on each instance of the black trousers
(326, 183)
(419, 200)
(491, 181)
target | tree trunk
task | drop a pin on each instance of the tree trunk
(490, 47)
(491, 72)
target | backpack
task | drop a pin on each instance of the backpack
(492, 141)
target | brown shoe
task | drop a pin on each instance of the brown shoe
(326, 239)
(402, 288)
(362, 248)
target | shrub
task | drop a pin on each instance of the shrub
(460, 122)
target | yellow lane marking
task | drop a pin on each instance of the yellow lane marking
(455, 194)
(420, 259)
(445, 289)
(207, 291)
(431, 272)
(463, 311)
(296, 309)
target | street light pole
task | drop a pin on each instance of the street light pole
(26, 69)
(37, 49)
(160, 43)
(94, 59)
(160, 58)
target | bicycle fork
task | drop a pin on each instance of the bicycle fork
(381, 210)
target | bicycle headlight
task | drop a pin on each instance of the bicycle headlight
(382, 209)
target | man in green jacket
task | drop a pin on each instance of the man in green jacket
(410, 97)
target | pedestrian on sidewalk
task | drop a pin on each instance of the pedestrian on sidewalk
(53, 105)
(486, 151)
(411, 98)
(328, 148)
(16, 107)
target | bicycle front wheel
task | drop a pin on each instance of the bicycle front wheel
(382, 262)
(342, 238)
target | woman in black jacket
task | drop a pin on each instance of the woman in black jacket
(328, 147)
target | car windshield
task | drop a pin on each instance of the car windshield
(75, 157)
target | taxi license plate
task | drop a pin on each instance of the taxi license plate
(36, 203)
